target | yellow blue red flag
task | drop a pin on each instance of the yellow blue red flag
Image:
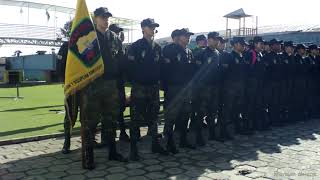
(84, 60)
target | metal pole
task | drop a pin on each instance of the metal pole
(227, 28)
(256, 24)
(244, 26)
(18, 94)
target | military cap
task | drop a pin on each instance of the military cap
(222, 39)
(275, 41)
(149, 23)
(175, 33)
(102, 11)
(213, 35)
(185, 32)
(238, 39)
(257, 39)
(201, 38)
(313, 46)
(115, 28)
(288, 44)
(301, 46)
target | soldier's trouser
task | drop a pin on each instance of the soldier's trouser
(73, 109)
(299, 105)
(263, 119)
(251, 104)
(205, 104)
(284, 99)
(144, 108)
(100, 100)
(122, 98)
(178, 109)
(272, 98)
(312, 97)
(233, 105)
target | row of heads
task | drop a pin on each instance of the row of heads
(104, 12)
(256, 39)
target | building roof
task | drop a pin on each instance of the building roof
(37, 6)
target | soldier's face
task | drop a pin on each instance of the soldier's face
(314, 52)
(214, 43)
(259, 46)
(289, 50)
(184, 40)
(202, 43)
(239, 47)
(301, 51)
(102, 22)
(276, 47)
(149, 31)
(266, 47)
(222, 46)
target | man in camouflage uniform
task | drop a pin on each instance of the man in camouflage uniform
(255, 108)
(122, 95)
(300, 84)
(205, 95)
(273, 82)
(201, 41)
(100, 99)
(222, 45)
(144, 58)
(313, 80)
(287, 59)
(178, 70)
(72, 106)
(233, 75)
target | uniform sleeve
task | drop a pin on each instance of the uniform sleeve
(62, 60)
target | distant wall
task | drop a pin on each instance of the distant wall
(34, 67)
(296, 37)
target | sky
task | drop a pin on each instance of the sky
(198, 16)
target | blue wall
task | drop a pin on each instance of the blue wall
(45, 62)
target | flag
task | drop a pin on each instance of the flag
(84, 60)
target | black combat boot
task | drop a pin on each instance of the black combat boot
(171, 146)
(113, 154)
(199, 139)
(134, 156)
(184, 142)
(157, 148)
(66, 145)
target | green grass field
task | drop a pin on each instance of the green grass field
(40, 112)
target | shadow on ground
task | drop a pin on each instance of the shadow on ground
(261, 155)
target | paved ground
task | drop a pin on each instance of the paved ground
(290, 152)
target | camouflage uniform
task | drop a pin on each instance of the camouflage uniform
(313, 79)
(72, 101)
(144, 74)
(100, 99)
(300, 86)
(255, 108)
(177, 70)
(205, 95)
(273, 86)
(233, 97)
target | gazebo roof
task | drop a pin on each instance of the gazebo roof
(237, 14)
